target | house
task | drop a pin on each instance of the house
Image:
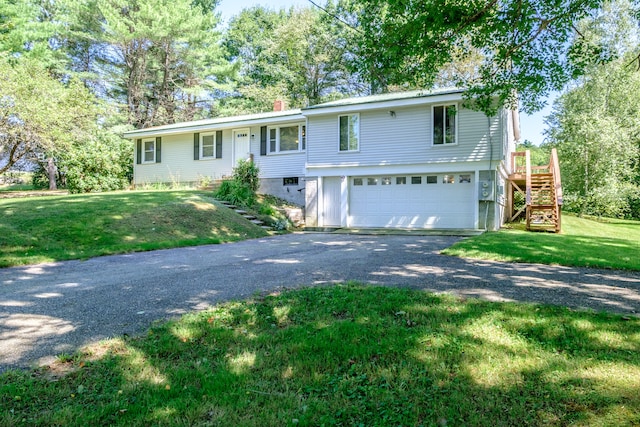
(403, 160)
(209, 149)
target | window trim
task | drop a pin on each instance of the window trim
(349, 150)
(443, 143)
(145, 151)
(201, 146)
(277, 128)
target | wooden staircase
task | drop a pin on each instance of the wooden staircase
(542, 190)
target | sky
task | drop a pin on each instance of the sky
(531, 126)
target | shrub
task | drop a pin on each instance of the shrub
(246, 172)
(616, 201)
(241, 190)
(236, 192)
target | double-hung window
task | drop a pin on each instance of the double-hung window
(287, 139)
(207, 145)
(149, 153)
(350, 132)
(444, 124)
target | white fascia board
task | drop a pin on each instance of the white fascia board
(214, 125)
(381, 105)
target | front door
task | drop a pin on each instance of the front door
(241, 145)
(332, 201)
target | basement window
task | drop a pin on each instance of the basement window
(292, 180)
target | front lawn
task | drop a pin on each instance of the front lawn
(583, 242)
(43, 229)
(345, 356)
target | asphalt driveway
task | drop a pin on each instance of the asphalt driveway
(50, 309)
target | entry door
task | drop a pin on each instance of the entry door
(241, 144)
(332, 201)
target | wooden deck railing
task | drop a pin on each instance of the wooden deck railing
(527, 168)
(554, 167)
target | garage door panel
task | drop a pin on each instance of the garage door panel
(419, 205)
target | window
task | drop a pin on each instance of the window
(386, 181)
(372, 181)
(432, 179)
(287, 139)
(416, 180)
(465, 178)
(448, 179)
(293, 180)
(350, 132)
(444, 124)
(401, 180)
(357, 181)
(149, 151)
(207, 146)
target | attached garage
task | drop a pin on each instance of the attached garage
(413, 201)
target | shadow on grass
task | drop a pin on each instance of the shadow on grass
(350, 355)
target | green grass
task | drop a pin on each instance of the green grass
(44, 229)
(345, 356)
(583, 243)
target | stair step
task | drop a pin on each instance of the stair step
(542, 207)
(266, 227)
(256, 221)
(240, 211)
(249, 217)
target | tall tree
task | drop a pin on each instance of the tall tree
(165, 57)
(297, 55)
(39, 116)
(596, 129)
(525, 45)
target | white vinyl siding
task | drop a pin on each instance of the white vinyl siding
(178, 163)
(405, 138)
(289, 163)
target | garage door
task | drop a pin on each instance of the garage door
(413, 201)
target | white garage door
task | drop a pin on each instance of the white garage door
(413, 201)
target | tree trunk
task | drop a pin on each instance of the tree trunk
(52, 172)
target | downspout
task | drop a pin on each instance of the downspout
(486, 202)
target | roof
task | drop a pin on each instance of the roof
(217, 123)
(362, 103)
(386, 97)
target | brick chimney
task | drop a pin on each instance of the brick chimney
(278, 105)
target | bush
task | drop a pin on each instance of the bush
(236, 192)
(241, 190)
(246, 172)
(100, 164)
(616, 201)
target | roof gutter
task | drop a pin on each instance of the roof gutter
(212, 125)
